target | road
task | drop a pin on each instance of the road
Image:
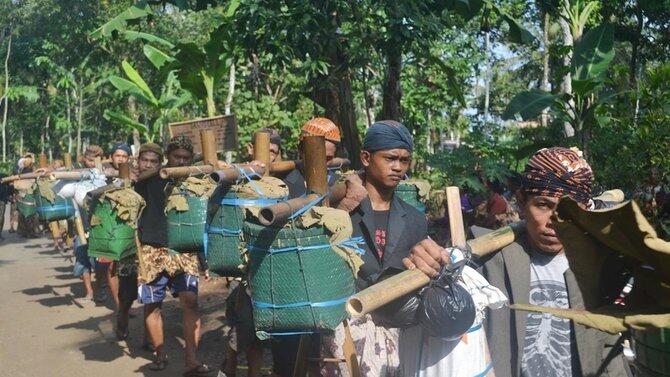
(46, 330)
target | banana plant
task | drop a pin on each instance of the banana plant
(593, 55)
(163, 107)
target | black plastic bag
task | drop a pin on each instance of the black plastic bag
(447, 310)
(399, 313)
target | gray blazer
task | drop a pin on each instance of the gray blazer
(509, 270)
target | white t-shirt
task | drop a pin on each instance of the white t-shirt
(547, 350)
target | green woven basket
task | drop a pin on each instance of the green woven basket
(112, 238)
(224, 232)
(410, 195)
(26, 205)
(187, 230)
(60, 209)
(296, 291)
(652, 353)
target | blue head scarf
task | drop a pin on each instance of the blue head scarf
(387, 134)
(121, 146)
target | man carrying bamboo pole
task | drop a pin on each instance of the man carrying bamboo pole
(390, 227)
(149, 158)
(160, 268)
(535, 270)
(295, 180)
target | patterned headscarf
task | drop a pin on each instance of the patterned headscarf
(121, 146)
(180, 142)
(321, 127)
(558, 172)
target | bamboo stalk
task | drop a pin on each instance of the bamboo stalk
(79, 226)
(148, 174)
(185, 171)
(208, 141)
(124, 171)
(408, 281)
(67, 161)
(43, 160)
(315, 164)
(262, 149)
(232, 174)
(280, 212)
(281, 167)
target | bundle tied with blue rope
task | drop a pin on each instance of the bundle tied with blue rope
(302, 273)
(49, 206)
(114, 223)
(186, 212)
(228, 205)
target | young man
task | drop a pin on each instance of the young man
(535, 270)
(314, 127)
(389, 227)
(160, 268)
(150, 157)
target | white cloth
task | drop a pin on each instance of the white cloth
(77, 190)
(424, 356)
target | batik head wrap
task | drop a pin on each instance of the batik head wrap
(121, 146)
(321, 127)
(558, 172)
(387, 134)
(180, 142)
(151, 147)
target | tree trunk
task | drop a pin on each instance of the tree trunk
(487, 75)
(80, 115)
(392, 90)
(4, 114)
(367, 99)
(568, 129)
(227, 106)
(132, 110)
(47, 137)
(545, 65)
(69, 121)
(635, 70)
(20, 141)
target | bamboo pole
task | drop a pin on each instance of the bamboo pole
(232, 174)
(79, 226)
(279, 213)
(281, 167)
(185, 171)
(44, 163)
(262, 149)
(315, 164)
(408, 281)
(208, 139)
(124, 171)
(67, 161)
(143, 176)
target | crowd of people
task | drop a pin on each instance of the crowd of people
(533, 269)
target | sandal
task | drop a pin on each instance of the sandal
(200, 370)
(147, 346)
(158, 364)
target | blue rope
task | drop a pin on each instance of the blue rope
(55, 208)
(485, 372)
(223, 231)
(205, 240)
(323, 304)
(261, 202)
(352, 243)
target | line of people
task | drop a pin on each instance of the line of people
(532, 270)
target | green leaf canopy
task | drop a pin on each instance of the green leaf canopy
(529, 104)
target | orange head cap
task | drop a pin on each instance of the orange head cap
(321, 127)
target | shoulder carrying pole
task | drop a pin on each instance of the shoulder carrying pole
(408, 281)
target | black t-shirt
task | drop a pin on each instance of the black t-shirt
(152, 225)
(381, 230)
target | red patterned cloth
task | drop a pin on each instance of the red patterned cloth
(558, 172)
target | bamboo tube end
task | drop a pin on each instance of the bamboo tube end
(355, 307)
(164, 174)
(266, 217)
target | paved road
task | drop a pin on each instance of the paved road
(45, 330)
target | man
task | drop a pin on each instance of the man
(295, 180)
(150, 157)
(535, 270)
(91, 153)
(389, 227)
(6, 192)
(160, 268)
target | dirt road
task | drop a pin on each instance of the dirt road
(46, 330)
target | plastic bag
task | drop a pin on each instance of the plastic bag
(447, 310)
(399, 313)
